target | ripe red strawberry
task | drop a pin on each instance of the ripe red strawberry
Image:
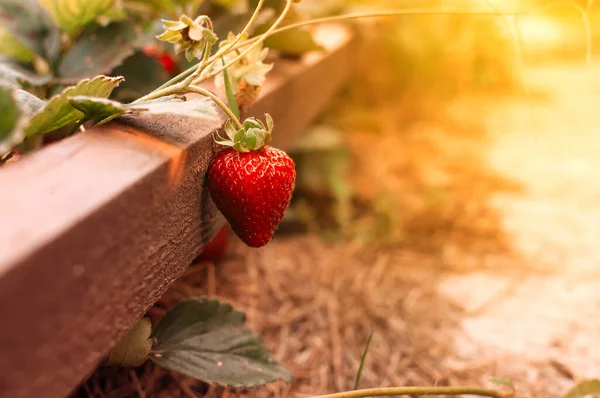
(251, 183)
(164, 58)
(216, 249)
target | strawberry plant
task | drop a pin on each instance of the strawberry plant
(68, 65)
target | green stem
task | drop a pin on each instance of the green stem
(273, 30)
(217, 100)
(243, 32)
(388, 391)
(371, 14)
(199, 66)
(259, 40)
(178, 78)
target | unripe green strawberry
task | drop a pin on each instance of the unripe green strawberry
(252, 190)
(251, 182)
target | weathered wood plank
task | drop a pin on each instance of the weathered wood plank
(95, 228)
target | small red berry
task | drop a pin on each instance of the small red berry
(165, 59)
(216, 249)
(252, 190)
(168, 63)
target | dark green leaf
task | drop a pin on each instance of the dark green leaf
(12, 47)
(72, 15)
(11, 121)
(98, 51)
(94, 107)
(142, 74)
(30, 24)
(362, 361)
(229, 92)
(59, 112)
(208, 340)
(201, 108)
(585, 388)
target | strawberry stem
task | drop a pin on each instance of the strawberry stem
(257, 42)
(217, 100)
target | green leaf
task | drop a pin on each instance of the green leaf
(94, 107)
(200, 108)
(30, 25)
(12, 47)
(133, 348)
(98, 51)
(362, 361)
(585, 388)
(72, 15)
(208, 340)
(16, 76)
(229, 92)
(59, 112)
(142, 73)
(12, 120)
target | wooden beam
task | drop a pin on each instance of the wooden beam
(95, 228)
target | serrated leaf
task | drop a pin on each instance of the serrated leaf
(72, 15)
(208, 340)
(585, 388)
(98, 51)
(59, 112)
(12, 47)
(94, 107)
(201, 108)
(12, 120)
(30, 24)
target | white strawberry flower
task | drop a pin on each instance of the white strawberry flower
(250, 70)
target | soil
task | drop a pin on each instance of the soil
(495, 273)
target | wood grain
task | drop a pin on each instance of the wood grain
(95, 228)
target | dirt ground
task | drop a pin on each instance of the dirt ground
(496, 272)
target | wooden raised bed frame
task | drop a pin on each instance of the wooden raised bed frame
(95, 228)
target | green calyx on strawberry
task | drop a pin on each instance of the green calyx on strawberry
(251, 182)
(253, 135)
